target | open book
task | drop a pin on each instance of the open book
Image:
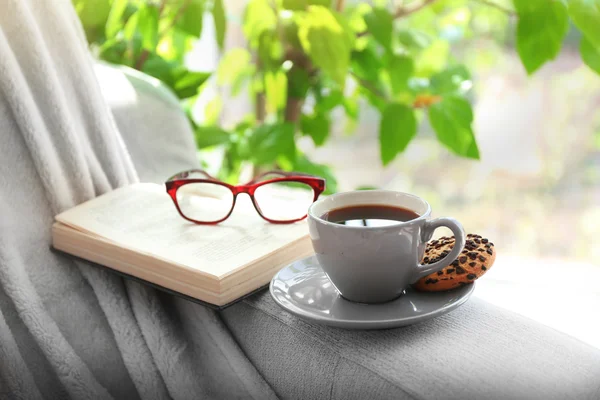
(137, 231)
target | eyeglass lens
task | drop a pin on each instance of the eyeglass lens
(204, 202)
(284, 201)
(277, 201)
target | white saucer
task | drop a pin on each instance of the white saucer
(303, 289)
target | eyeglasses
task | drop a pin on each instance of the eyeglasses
(278, 197)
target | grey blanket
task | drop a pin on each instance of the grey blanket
(67, 329)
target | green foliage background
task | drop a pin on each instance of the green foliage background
(305, 58)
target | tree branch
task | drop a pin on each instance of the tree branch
(175, 18)
(145, 53)
(339, 5)
(404, 11)
(497, 7)
(260, 107)
(161, 8)
(293, 109)
(293, 105)
(140, 61)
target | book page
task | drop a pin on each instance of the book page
(143, 217)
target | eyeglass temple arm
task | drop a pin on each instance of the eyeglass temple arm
(187, 173)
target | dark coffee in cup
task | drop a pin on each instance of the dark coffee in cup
(369, 215)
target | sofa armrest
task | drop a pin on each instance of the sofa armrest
(153, 125)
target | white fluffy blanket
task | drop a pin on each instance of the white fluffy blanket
(69, 330)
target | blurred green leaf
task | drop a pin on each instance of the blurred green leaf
(93, 15)
(159, 68)
(212, 111)
(270, 50)
(112, 51)
(257, 85)
(240, 148)
(442, 6)
(275, 90)
(586, 16)
(184, 83)
(375, 100)
(258, 18)
(147, 24)
(350, 104)
(218, 13)
(316, 126)
(92, 12)
(115, 23)
(131, 8)
(451, 81)
(366, 64)
(242, 79)
(333, 99)
(232, 165)
(187, 82)
(451, 120)
(590, 55)
(268, 141)
(327, 40)
(473, 150)
(380, 24)
(541, 29)
(246, 123)
(414, 39)
(174, 44)
(397, 128)
(425, 21)
(303, 4)
(356, 17)
(298, 82)
(131, 27)
(207, 136)
(232, 65)
(188, 108)
(303, 164)
(432, 59)
(400, 69)
(284, 164)
(288, 30)
(189, 15)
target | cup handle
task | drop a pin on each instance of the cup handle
(459, 244)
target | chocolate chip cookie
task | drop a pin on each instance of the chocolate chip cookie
(476, 258)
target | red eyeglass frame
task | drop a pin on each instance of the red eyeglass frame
(175, 182)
